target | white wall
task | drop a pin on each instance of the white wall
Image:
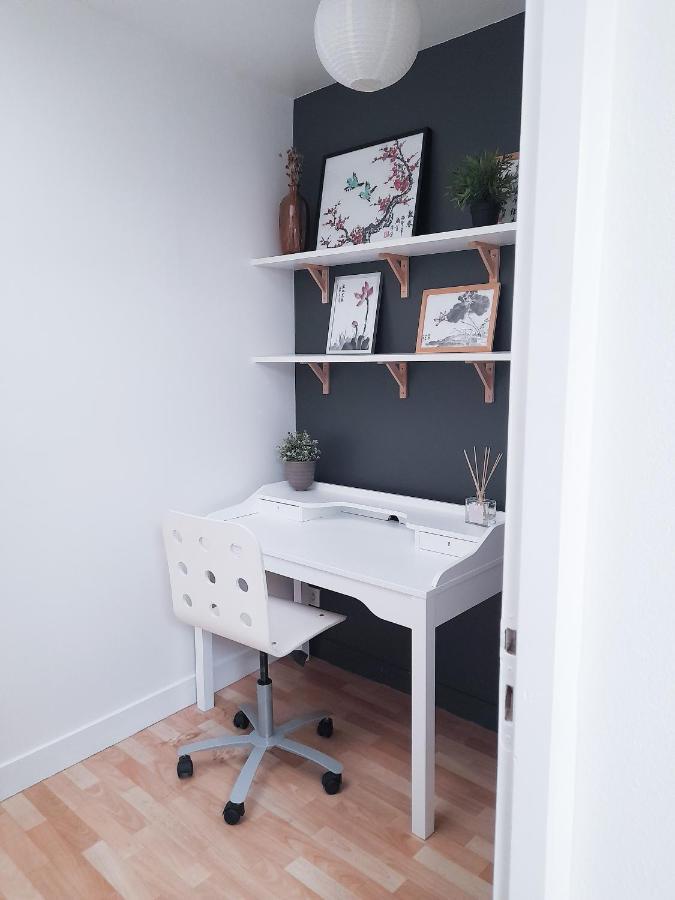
(548, 214)
(134, 186)
(593, 813)
(625, 787)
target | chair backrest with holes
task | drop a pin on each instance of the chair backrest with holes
(217, 578)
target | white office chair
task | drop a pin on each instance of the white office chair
(218, 584)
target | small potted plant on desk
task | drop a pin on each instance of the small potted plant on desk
(299, 453)
(484, 183)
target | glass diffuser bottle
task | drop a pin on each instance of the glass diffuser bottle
(479, 510)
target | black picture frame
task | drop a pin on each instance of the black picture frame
(426, 140)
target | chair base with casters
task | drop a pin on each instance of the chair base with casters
(265, 735)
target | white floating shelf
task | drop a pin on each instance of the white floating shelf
(421, 245)
(397, 253)
(397, 364)
(500, 356)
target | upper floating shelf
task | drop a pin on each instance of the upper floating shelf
(480, 356)
(421, 245)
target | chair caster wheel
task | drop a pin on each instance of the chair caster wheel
(184, 768)
(331, 782)
(240, 720)
(233, 812)
(325, 728)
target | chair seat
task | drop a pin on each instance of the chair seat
(292, 624)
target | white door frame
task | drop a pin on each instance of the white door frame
(567, 96)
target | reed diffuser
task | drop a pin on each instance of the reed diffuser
(479, 510)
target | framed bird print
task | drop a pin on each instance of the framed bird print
(353, 314)
(458, 319)
(371, 193)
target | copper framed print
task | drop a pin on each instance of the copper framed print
(458, 319)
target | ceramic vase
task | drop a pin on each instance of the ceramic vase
(293, 222)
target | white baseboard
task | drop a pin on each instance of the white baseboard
(23, 771)
(234, 666)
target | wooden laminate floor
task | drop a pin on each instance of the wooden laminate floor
(122, 824)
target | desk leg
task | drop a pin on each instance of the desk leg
(423, 725)
(297, 598)
(204, 668)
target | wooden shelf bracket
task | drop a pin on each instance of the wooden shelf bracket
(486, 373)
(400, 266)
(399, 372)
(490, 256)
(322, 372)
(320, 275)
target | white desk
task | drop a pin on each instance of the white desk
(418, 572)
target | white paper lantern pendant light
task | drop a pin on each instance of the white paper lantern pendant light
(367, 44)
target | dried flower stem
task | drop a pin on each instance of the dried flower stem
(293, 167)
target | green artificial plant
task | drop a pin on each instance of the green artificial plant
(484, 178)
(298, 446)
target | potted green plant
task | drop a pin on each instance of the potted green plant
(299, 453)
(483, 183)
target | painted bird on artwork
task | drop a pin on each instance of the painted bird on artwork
(367, 191)
(353, 182)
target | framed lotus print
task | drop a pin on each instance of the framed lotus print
(353, 314)
(458, 319)
(371, 193)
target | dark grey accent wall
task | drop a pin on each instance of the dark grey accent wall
(468, 92)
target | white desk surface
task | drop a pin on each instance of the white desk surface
(372, 550)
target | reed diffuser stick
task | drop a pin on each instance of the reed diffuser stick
(492, 471)
(475, 481)
(481, 479)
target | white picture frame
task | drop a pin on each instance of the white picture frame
(458, 319)
(354, 311)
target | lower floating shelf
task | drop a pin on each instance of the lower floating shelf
(397, 365)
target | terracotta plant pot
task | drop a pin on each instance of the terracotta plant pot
(300, 475)
(485, 212)
(293, 222)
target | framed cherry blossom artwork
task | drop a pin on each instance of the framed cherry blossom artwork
(353, 314)
(371, 193)
(458, 319)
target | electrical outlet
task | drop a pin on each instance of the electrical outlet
(314, 596)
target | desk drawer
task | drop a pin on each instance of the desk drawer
(441, 543)
(280, 509)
